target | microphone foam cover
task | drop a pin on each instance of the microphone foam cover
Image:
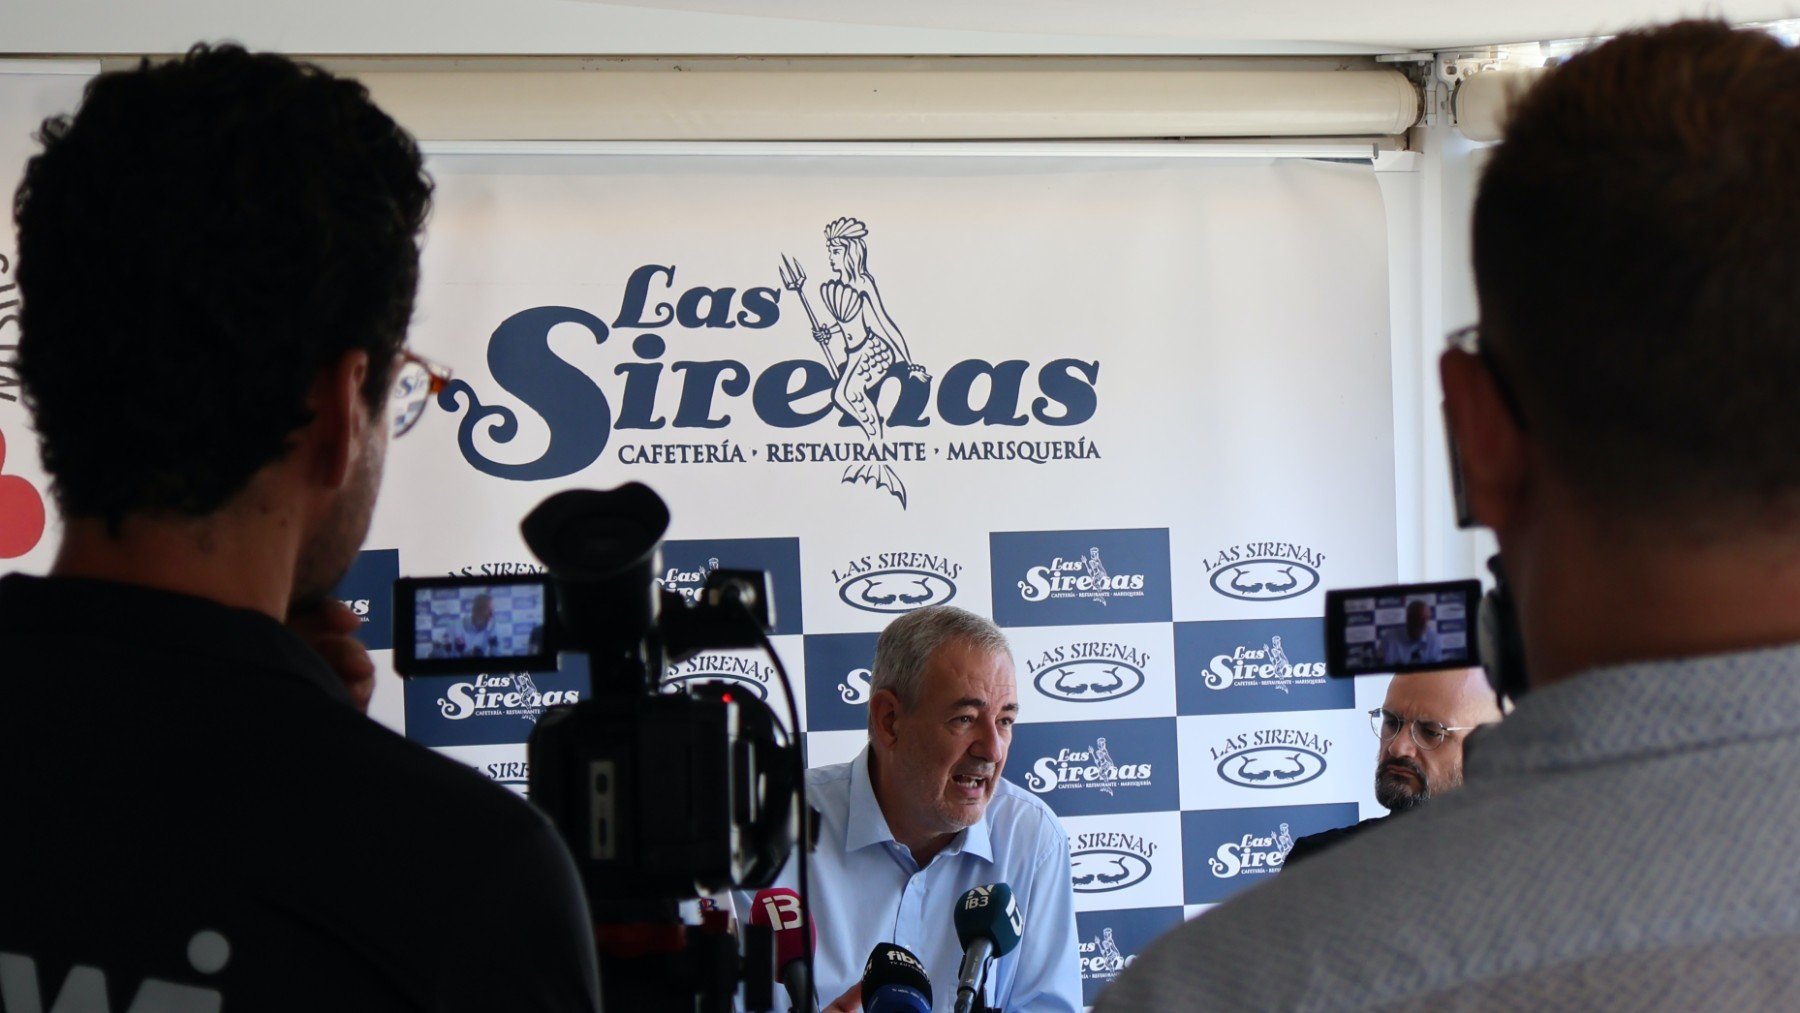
(779, 909)
(989, 912)
(893, 966)
(896, 999)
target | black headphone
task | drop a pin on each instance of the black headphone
(1502, 648)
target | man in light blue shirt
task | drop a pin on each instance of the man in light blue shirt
(922, 815)
(1416, 643)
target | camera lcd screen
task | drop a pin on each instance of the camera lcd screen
(452, 625)
(1402, 628)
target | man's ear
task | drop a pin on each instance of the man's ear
(884, 715)
(340, 419)
(1492, 446)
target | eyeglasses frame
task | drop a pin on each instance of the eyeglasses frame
(437, 378)
(1412, 726)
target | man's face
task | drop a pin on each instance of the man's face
(948, 751)
(480, 611)
(1407, 775)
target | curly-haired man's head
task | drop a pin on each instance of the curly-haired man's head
(196, 244)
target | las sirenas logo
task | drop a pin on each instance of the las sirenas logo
(687, 583)
(500, 568)
(1272, 758)
(514, 774)
(891, 582)
(857, 686)
(862, 359)
(1253, 855)
(500, 695)
(1088, 671)
(742, 670)
(1267, 665)
(1085, 768)
(1107, 861)
(1264, 571)
(1101, 959)
(1082, 577)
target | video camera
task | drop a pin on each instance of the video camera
(661, 794)
(1426, 627)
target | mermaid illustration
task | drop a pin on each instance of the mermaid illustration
(871, 342)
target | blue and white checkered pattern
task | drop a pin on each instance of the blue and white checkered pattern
(1183, 753)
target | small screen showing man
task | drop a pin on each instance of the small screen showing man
(1402, 631)
(502, 621)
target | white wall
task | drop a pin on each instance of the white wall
(1430, 195)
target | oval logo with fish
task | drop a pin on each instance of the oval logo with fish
(1272, 767)
(894, 591)
(681, 683)
(751, 673)
(1103, 870)
(1089, 680)
(1264, 579)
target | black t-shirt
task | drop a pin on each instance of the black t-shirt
(190, 805)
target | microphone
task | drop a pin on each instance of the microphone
(779, 909)
(988, 925)
(894, 982)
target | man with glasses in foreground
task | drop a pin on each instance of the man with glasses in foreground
(1629, 430)
(217, 261)
(1422, 726)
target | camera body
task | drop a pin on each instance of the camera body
(661, 794)
(666, 796)
(1453, 624)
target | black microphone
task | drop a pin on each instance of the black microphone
(894, 982)
(988, 925)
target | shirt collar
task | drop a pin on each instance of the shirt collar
(147, 618)
(1643, 708)
(867, 825)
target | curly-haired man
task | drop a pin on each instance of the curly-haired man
(217, 260)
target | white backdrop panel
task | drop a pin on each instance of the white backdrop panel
(1165, 382)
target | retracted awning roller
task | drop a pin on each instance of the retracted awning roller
(1011, 103)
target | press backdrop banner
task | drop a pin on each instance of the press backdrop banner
(1138, 410)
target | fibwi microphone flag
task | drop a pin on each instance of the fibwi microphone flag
(894, 981)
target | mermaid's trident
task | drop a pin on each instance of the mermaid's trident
(793, 278)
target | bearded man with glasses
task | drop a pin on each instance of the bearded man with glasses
(1422, 726)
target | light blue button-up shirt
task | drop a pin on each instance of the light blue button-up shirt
(866, 889)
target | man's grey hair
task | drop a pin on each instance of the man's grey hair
(909, 642)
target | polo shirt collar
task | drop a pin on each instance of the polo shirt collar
(866, 825)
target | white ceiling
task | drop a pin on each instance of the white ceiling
(805, 27)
